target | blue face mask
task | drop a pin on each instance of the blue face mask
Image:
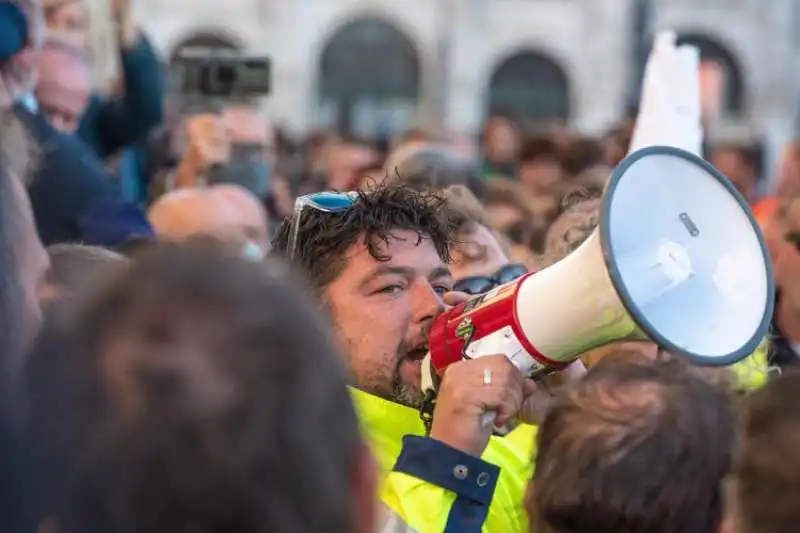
(252, 252)
(247, 168)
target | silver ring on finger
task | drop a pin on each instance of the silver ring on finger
(487, 376)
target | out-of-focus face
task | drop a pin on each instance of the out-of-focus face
(502, 141)
(383, 312)
(248, 213)
(64, 89)
(68, 19)
(477, 254)
(789, 177)
(344, 164)
(502, 216)
(730, 163)
(246, 126)
(540, 177)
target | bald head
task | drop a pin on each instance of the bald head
(248, 210)
(65, 83)
(184, 213)
(227, 212)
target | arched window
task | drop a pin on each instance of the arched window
(530, 87)
(720, 68)
(369, 77)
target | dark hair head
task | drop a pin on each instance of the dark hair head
(189, 394)
(433, 166)
(581, 155)
(75, 266)
(634, 447)
(578, 216)
(539, 148)
(765, 478)
(323, 239)
(134, 246)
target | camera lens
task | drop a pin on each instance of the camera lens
(226, 75)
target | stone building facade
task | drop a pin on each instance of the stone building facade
(378, 65)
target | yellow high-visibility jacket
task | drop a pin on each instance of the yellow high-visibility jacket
(429, 487)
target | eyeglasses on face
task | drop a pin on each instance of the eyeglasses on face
(326, 201)
(483, 284)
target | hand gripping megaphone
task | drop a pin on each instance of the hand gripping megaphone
(677, 258)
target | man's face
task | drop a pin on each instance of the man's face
(384, 310)
(63, 90)
(541, 176)
(503, 216)
(477, 254)
(246, 126)
(730, 163)
(502, 141)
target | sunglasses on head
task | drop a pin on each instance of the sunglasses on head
(482, 284)
(327, 202)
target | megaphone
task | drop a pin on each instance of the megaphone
(677, 258)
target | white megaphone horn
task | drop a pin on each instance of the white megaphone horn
(677, 257)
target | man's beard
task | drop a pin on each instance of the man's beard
(404, 393)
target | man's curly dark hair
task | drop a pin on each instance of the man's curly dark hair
(576, 219)
(324, 238)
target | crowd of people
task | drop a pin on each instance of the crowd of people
(209, 326)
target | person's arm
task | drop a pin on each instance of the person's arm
(434, 487)
(119, 122)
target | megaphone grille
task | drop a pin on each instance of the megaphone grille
(686, 256)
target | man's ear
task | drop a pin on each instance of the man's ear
(364, 492)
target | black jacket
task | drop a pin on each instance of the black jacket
(73, 200)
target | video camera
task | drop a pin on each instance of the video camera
(222, 74)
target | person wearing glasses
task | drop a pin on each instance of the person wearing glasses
(378, 262)
(479, 261)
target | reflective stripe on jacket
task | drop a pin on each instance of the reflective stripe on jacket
(429, 487)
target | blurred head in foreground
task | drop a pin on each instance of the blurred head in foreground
(189, 393)
(76, 267)
(636, 446)
(763, 489)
